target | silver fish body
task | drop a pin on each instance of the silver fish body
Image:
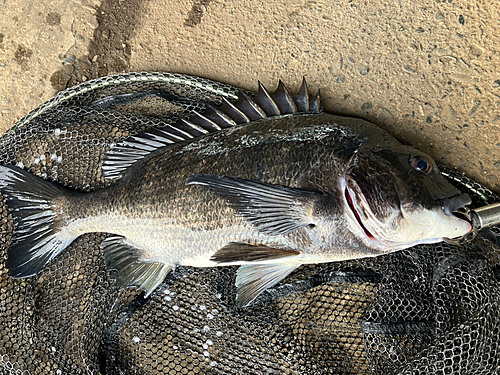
(269, 195)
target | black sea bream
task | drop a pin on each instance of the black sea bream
(268, 182)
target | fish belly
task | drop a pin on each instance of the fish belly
(160, 240)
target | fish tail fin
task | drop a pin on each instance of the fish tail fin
(36, 240)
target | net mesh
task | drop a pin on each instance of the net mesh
(428, 309)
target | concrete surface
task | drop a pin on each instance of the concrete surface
(426, 71)
(39, 46)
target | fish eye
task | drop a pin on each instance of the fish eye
(421, 165)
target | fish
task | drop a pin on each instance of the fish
(267, 182)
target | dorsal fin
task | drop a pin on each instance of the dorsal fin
(248, 106)
(302, 97)
(245, 109)
(284, 100)
(266, 101)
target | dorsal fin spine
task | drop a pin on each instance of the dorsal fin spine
(216, 115)
(316, 104)
(151, 145)
(266, 102)
(176, 130)
(163, 136)
(302, 97)
(194, 127)
(248, 106)
(234, 112)
(205, 122)
(283, 99)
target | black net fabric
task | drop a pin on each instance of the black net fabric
(429, 309)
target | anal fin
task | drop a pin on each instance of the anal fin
(129, 269)
(253, 279)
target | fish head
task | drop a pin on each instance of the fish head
(396, 197)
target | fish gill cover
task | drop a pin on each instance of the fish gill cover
(432, 308)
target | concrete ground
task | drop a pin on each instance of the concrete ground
(425, 70)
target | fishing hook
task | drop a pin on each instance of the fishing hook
(479, 218)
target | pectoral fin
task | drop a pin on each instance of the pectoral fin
(273, 209)
(130, 270)
(253, 279)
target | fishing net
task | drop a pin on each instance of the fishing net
(428, 309)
